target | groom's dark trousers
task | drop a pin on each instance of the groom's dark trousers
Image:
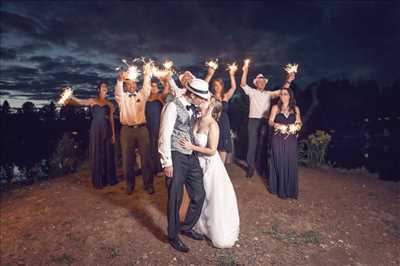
(187, 171)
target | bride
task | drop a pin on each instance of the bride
(219, 219)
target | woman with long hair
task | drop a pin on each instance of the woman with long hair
(225, 142)
(102, 137)
(219, 219)
(285, 119)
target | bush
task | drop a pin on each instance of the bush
(67, 157)
(312, 151)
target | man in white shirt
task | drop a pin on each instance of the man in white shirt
(260, 101)
(181, 166)
(134, 133)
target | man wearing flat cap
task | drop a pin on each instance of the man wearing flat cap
(260, 101)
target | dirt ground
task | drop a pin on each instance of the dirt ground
(339, 219)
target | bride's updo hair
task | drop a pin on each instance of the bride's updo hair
(215, 108)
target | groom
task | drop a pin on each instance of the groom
(181, 166)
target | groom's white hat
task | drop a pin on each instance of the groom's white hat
(199, 87)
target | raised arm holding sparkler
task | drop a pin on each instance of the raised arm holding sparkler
(225, 141)
(101, 101)
(212, 67)
(134, 133)
(260, 100)
(232, 70)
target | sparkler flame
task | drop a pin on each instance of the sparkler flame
(291, 129)
(247, 62)
(168, 64)
(291, 68)
(167, 68)
(133, 73)
(212, 64)
(65, 95)
(124, 61)
(232, 67)
(157, 72)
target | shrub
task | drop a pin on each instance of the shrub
(66, 158)
(312, 151)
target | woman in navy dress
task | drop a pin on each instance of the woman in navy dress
(225, 142)
(102, 138)
(153, 110)
(283, 172)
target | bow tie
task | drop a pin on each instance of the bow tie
(191, 107)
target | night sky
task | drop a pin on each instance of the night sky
(45, 46)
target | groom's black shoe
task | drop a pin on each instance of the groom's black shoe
(177, 244)
(192, 234)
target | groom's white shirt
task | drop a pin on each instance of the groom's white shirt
(168, 118)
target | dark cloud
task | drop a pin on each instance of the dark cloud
(7, 54)
(12, 21)
(33, 47)
(48, 44)
(17, 72)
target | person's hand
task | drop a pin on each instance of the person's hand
(291, 77)
(113, 139)
(211, 70)
(232, 71)
(122, 75)
(166, 77)
(169, 171)
(186, 144)
(147, 69)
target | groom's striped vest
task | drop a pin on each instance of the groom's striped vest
(182, 129)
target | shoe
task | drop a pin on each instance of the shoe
(192, 234)
(177, 244)
(150, 190)
(250, 172)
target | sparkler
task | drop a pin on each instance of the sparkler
(291, 68)
(246, 62)
(167, 68)
(232, 68)
(291, 129)
(133, 72)
(212, 64)
(168, 64)
(65, 95)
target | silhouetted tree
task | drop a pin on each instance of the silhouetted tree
(28, 108)
(48, 111)
(6, 107)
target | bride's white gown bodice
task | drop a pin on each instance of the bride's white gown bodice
(219, 219)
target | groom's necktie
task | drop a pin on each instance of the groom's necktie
(191, 107)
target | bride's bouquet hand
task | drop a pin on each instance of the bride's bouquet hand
(186, 144)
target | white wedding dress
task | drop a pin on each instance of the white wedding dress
(219, 219)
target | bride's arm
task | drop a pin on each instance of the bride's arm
(211, 149)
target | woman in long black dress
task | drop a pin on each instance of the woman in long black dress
(153, 110)
(225, 142)
(102, 137)
(283, 173)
